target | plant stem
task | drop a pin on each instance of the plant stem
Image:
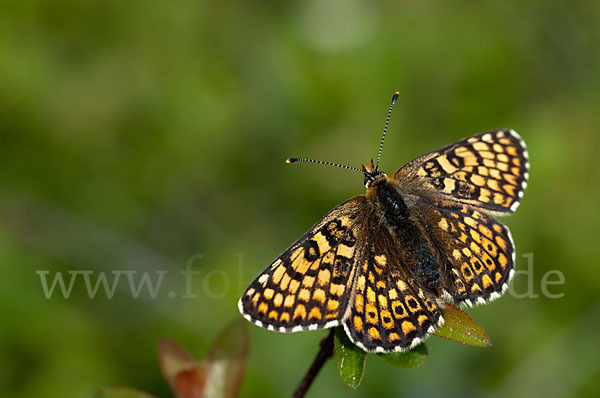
(323, 355)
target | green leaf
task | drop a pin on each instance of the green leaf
(351, 359)
(120, 392)
(410, 359)
(460, 327)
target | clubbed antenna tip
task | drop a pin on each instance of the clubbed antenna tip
(387, 122)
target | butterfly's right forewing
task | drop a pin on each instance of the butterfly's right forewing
(488, 171)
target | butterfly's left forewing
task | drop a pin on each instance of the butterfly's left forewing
(308, 286)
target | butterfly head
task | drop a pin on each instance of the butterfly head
(372, 174)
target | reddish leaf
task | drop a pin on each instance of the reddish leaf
(220, 374)
(226, 361)
(191, 383)
(173, 359)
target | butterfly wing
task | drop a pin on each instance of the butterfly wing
(488, 171)
(390, 310)
(309, 285)
(477, 251)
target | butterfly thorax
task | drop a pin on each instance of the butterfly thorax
(383, 190)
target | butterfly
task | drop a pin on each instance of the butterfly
(383, 264)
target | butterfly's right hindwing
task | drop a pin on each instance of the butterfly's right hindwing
(308, 286)
(478, 250)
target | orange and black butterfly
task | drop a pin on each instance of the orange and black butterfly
(383, 264)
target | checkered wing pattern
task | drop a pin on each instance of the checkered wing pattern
(308, 286)
(381, 264)
(488, 171)
(479, 252)
(390, 309)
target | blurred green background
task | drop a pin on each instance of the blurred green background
(146, 135)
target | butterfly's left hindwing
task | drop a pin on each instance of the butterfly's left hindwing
(308, 286)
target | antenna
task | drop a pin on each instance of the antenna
(299, 160)
(387, 121)
(364, 170)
